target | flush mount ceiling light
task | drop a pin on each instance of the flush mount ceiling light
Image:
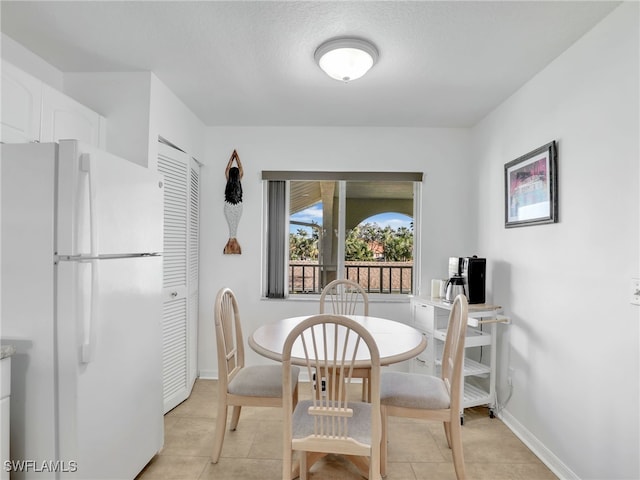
(346, 58)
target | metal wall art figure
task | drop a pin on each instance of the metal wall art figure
(233, 202)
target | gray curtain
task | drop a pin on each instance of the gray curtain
(276, 238)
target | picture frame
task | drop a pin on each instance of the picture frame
(531, 188)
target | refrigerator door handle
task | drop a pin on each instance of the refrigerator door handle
(85, 166)
(89, 311)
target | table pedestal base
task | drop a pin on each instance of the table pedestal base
(361, 463)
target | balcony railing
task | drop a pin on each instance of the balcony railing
(374, 277)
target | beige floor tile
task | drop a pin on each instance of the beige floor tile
(434, 471)
(204, 385)
(203, 404)
(237, 444)
(243, 469)
(412, 442)
(189, 437)
(492, 449)
(267, 442)
(400, 471)
(251, 414)
(169, 422)
(417, 448)
(167, 467)
(509, 471)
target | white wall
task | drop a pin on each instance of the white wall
(442, 154)
(123, 98)
(171, 119)
(26, 60)
(574, 340)
(138, 108)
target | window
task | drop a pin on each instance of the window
(326, 225)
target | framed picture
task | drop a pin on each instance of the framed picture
(531, 188)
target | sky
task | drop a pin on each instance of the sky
(314, 214)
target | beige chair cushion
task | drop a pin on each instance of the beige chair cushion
(359, 425)
(261, 381)
(413, 391)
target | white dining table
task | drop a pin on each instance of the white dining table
(396, 341)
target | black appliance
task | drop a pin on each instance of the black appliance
(473, 270)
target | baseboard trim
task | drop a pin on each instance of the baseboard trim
(208, 374)
(545, 455)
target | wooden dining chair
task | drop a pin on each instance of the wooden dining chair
(240, 385)
(333, 345)
(345, 297)
(430, 397)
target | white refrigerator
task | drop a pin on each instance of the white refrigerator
(82, 236)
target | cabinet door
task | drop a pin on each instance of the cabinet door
(64, 118)
(423, 320)
(180, 275)
(21, 102)
(423, 317)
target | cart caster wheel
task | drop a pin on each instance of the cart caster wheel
(491, 414)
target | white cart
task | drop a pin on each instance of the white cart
(431, 317)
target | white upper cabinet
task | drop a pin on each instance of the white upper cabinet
(64, 118)
(21, 106)
(35, 112)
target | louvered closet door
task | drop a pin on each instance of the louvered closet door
(180, 308)
(193, 254)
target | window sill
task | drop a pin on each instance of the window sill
(373, 298)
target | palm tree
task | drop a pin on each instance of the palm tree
(355, 247)
(303, 247)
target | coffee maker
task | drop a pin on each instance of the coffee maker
(473, 271)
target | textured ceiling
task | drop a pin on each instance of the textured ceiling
(442, 64)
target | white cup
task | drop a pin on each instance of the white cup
(436, 287)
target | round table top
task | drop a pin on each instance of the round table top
(396, 341)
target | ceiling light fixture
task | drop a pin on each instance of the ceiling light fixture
(346, 58)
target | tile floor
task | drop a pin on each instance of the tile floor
(417, 449)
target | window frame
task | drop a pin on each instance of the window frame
(342, 178)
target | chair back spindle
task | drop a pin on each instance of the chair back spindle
(229, 337)
(344, 297)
